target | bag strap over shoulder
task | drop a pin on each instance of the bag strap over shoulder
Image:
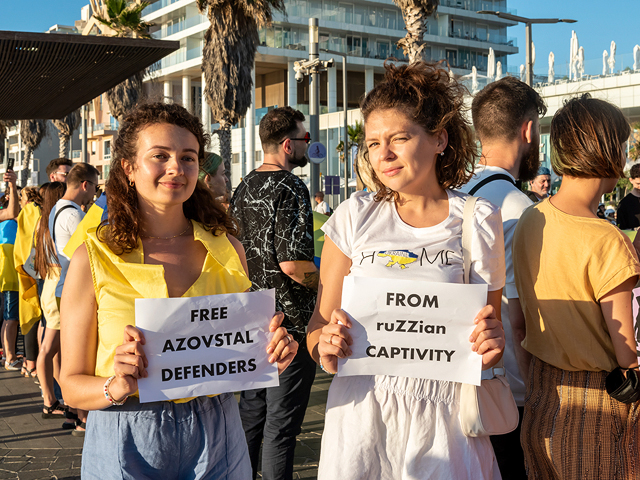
(491, 178)
(467, 232)
(467, 222)
(58, 212)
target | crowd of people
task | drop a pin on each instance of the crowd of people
(558, 315)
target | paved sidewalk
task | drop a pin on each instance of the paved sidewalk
(33, 448)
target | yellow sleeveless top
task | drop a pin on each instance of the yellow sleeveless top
(119, 279)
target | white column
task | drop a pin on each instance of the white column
(250, 128)
(368, 80)
(332, 89)
(186, 92)
(168, 91)
(292, 86)
(206, 119)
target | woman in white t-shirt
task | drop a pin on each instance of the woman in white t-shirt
(419, 148)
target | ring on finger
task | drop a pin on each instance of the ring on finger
(289, 339)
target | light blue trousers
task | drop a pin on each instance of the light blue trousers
(200, 439)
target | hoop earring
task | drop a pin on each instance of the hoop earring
(131, 184)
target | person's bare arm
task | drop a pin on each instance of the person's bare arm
(518, 332)
(13, 208)
(324, 324)
(78, 320)
(488, 336)
(302, 271)
(617, 310)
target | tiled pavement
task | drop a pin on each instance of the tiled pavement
(32, 448)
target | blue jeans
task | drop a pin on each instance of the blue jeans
(200, 439)
(275, 414)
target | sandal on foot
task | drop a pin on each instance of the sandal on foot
(56, 407)
(71, 421)
(13, 366)
(79, 433)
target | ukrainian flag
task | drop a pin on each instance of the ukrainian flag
(8, 274)
(319, 219)
(29, 302)
(96, 214)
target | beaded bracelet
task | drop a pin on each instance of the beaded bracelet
(108, 396)
(324, 369)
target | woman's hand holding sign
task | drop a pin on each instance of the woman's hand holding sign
(129, 364)
(335, 340)
(488, 337)
(283, 348)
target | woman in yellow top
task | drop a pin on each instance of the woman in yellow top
(574, 273)
(165, 237)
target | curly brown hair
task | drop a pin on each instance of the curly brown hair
(122, 199)
(429, 96)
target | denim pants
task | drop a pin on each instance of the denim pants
(200, 439)
(275, 415)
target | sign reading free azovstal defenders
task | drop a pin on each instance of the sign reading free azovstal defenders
(206, 345)
(412, 329)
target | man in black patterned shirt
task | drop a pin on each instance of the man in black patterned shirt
(273, 208)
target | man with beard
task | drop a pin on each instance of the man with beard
(505, 117)
(274, 213)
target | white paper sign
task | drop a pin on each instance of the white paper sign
(206, 345)
(412, 329)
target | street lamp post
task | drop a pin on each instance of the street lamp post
(528, 22)
(314, 101)
(345, 136)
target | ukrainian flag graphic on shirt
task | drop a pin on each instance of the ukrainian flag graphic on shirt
(9, 279)
(402, 258)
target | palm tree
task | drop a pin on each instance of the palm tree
(66, 127)
(124, 96)
(121, 18)
(228, 55)
(31, 132)
(415, 14)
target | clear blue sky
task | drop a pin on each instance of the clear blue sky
(598, 23)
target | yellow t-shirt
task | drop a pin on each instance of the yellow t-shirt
(120, 279)
(563, 266)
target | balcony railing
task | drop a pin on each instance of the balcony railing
(177, 27)
(179, 56)
(157, 6)
(477, 5)
(105, 126)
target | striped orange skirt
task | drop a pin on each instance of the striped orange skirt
(572, 429)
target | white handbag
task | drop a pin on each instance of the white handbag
(489, 409)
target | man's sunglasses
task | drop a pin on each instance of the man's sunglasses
(307, 138)
(98, 188)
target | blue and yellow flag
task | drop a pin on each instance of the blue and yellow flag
(8, 274)
(29, 302)
(96, 214)
(319, 219)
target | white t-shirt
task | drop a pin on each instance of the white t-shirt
(65, 225)
(322, 207)
(512, 203)
(380, 244)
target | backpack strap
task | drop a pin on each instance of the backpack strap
(58, 212)
(489, 179)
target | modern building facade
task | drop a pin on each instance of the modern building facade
(366, 30)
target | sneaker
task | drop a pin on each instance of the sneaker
(15, 365)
